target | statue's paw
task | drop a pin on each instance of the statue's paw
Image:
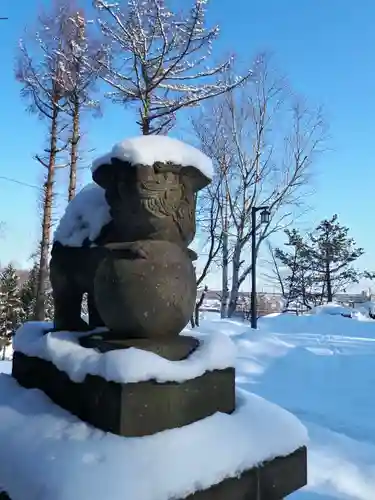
(134, 249)
(70, 326)
(193, 255)
(140, 251)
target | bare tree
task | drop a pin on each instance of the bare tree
(274, 141)
(157, 59)
(194, 320)
(211, 131)
(43, 79)
(208, 222)
(276, 276)
(81, 51)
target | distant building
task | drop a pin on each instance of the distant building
(267, 303)
(354, 299)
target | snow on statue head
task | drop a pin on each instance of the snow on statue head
(139, 276)
(150, 184)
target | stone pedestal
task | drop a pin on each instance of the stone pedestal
(132, 409)
(145, 408)
(173, 348)
(274, 480)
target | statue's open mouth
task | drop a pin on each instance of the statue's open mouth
(154, 189)
(156, 192)
(147, 195)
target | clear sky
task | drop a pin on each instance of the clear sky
(327, 49)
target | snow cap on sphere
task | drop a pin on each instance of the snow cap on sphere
(148, 149)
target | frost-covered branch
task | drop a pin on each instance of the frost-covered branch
(158, 59)
(80, 51)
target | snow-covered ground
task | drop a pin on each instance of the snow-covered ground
(321, 368)
(5, 366)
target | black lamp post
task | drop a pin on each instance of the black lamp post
(264, 219)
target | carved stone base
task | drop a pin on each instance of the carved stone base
(132, 409)
(173, 349)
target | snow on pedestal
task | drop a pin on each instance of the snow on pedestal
(125, 365)
(131, 391)
(61, 458)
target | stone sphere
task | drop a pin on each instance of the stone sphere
(145, 289)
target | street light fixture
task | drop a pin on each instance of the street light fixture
(264, 219)
(264, 216)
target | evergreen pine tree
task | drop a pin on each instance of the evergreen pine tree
(332, 253)
(28, 294)
(320, 264)
(3, 341)
(10, 311)
(299, 281)
(28, 297)
(48, 306)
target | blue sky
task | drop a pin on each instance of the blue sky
(325, 47)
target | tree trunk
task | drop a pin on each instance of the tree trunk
(235, 281)
(145, 119)
(328, 281)
(46, 221)
(198, 306)
(196, 315)
(74, 152)
(145, 127)
(3, 352)
(224, 282)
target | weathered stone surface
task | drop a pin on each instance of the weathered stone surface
(274, 480)
(156, 204)
(72, 272)
(145, 289)
(134, 409)
(174, 349)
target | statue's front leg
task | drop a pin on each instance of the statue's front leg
(67, 290)
(67, 315)
(95, 320)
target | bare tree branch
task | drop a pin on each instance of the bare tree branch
(273, 140)
(157, 59)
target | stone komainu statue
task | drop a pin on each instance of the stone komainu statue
(138, 270)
